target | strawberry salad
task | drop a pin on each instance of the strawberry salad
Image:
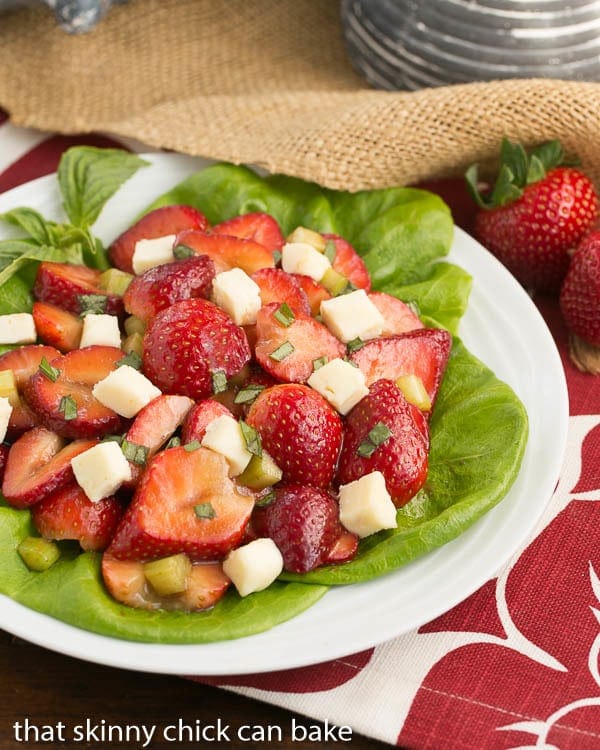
(223, 409)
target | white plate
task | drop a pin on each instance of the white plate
(504, 329)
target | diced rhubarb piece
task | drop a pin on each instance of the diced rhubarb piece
(228, 252)
(348, 262)
(56, 326)
(398, 316)
(278, 286)
(39, 463)
(70, 286)
(37, 553)
(257, 226)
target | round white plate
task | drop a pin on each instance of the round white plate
(504, 329)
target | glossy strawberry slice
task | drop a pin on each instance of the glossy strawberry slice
(38, 463)
(258, 226)
(154, 425)
(126, 583)
(63, 285)
(349, 263)
(300, 431)
(315, 292)
(385, 433)
(278, 286)
(423, 353)
(184, 502)
(397, 315)
(190, 343)
(62, 397)
(167, 283)
(56, 326)
(228, 252)
(158, 223)
(288, 350)
(67, 513)
(24, 362)
(343, 549)
(4, 449)
(303, 521)
(199, 417)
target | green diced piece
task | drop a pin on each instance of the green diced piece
(115, 281)
(8, 387)
(38, 553)
(414, 391)
(261, 472)
(309, 236)
(169, 575)
(134, 344)
(334, 282)
(133, 324)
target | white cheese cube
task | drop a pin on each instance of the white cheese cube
(224, 435)
(101, 470)
(150, 253)
(254, 566)
(5, 412)
(100, 329)
(239, 295)
(300, 257)
(342, 384)
(17, 328)
(352, 316)
(366, 506)
(125, 390)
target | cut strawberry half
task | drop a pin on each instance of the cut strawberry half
(288, 347)
(153, 426)
(228, 252)
(397, 315)
(199, 417)
(343, 549)
(158, 223)
(67, 285)
(348, 262)
(67, 513)
(167, 283)
(315, 292)
(184, 502)
(423, 353)
(60, 393)
(56, 326)
(258, 226)
(278, 286)
(126, 582)
(38, 463)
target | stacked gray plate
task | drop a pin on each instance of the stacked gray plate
(407, 44)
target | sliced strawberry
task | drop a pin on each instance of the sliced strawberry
(63, 285)
(300, 431)
(423, 353)
(38, 463)
(258, 226)
(167, 283)
(126, 583)
(315, 292)
(4, 449)
(184, 502)
(303, 521)
(56, 326)
(67, 513)
(228, 252)
(158, 223)
(288, 352)
(397, 315)
(278, 286)
(76, 373)
(188, 344)
(349, 263)
(24, 362)
(199, 417)
(385, 433)
(343, 549)
(154, 425)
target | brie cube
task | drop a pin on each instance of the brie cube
(17, 328)
(254, 566)
(366, 506)
(342, 384)
(125, 390)
(5, 412)
(150, 253)
(224, 435)
(101, 329)
(238, 295)
(101, 470)
(352, 316)
(300, 257)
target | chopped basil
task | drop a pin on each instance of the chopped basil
(252, 438)
(248, 394)
(350, 287)
(174, 442)
(329, 251)
(205, 511)
(183, 251)
(92, 303)
(219, 381)
(265, 499)
(50, 372)
(276, 256)
(137, 454)
(282, 351)
(355, 344)
(284, 315)
(68, 408)
(318, 363)
(113, 439)
(192, 446)
(132, 359)
(376, 437)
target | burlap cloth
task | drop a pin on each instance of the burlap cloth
(268, 82)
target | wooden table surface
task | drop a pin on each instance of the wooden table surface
(47, 689)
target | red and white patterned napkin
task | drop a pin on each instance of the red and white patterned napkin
(516, 665)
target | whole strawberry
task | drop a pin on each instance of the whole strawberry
(536, 213)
